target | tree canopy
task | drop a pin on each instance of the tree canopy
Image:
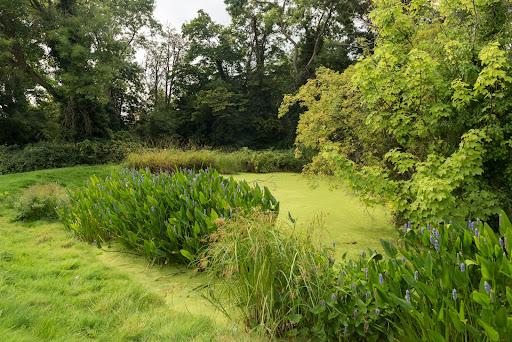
(424, 121)
(73, 70)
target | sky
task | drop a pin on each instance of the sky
(177, 12)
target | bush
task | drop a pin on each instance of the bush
(450, 282)
(225, 162)
(48, 155)
(276, 277)
(165, 217)
(40, 202)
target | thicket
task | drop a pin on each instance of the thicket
(165, 217)
(47, 155)
(448, 282)
(243, 160)
(423, 122)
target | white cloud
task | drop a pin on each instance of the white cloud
(177, 12)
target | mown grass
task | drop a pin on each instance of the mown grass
(68, 177)
(53, 287)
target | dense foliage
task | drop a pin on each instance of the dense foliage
(78, 70)
(67, 68)
(440, 283)
(47, 155)
(424, 121)
(164, 217)
(225, 162)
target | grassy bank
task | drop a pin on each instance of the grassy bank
(53, 287)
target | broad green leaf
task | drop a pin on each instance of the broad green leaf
(491, 333)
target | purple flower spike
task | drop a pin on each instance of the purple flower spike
(408, 296)
(502, 244)
(436, 233)
(471, 225)
(436, 245)
(416, 275)
(381, 279)
(487, 287)
(454, 294)
(477, 233)
(463, 267)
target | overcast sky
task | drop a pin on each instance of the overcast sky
(176, 12)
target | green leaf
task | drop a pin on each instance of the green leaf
(388, 248)
(491, 333)
(480, 298)
(295, 318)
(462, 316)
(509, 296)
(213, 215)
(187, 254)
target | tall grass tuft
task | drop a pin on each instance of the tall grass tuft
(40, 201)
(276, 277)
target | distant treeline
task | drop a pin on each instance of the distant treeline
(68, 69)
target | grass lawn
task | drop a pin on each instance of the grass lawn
(54, 287)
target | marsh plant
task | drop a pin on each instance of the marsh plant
(243, 160)
(448, 282)
(162, 216)
(276, 277)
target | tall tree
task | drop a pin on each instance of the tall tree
(80, 53)
(335, 28)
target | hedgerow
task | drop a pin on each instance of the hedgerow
(47, 155)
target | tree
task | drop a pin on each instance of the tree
(319, 29)
(81, 54)
(436, 98)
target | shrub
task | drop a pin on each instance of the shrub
(46, 155)
(225, 162)
(165, 217)
(445, 283)
(276, 277)
(40, 202)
